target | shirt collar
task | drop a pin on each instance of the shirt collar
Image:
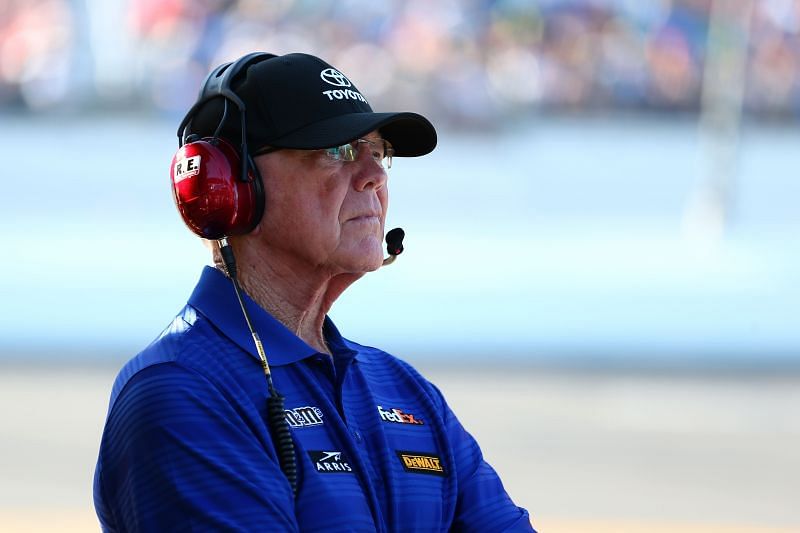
(338, 345)
(215, 299)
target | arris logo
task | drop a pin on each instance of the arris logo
(329, 462)
(335, 78)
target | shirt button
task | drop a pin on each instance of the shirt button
(357, 435)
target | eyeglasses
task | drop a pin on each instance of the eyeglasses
(381, 151)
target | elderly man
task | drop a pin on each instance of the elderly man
(363, 442)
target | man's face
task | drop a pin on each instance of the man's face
(324, 213)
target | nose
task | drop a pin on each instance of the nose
(370, 174)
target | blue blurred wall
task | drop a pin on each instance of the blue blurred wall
(561, 240)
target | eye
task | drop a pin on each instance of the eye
(349, 152)
(344, 152)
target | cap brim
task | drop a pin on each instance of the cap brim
(410, 134)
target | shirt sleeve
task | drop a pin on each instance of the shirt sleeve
(483, 505)
(176, 455)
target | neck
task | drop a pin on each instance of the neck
(297, 295)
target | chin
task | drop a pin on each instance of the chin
(372, 264)
(374, 267)
(362, 261)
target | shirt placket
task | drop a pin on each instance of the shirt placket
(350, 436)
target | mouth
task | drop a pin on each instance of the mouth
(367, 217)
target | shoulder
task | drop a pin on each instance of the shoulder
(164, 394)
(182, 355)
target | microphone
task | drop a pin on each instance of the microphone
(394, 245)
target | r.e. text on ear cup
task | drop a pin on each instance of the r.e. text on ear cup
(209, 192)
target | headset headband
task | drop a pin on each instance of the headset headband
(218, 84)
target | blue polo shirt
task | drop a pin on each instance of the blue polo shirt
(186, 445)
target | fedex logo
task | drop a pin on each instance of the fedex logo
(398, 416)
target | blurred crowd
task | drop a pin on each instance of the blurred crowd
(464, 61)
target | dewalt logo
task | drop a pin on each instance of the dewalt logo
(421, 463)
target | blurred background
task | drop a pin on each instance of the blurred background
(601, 254)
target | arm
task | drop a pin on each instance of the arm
(483, 504)
(177, 455)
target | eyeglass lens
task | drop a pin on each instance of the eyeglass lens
(381, 151)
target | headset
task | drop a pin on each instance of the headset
(218, 192)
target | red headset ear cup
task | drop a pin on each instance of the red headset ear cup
(209, 193)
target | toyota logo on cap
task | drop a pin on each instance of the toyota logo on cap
(335, 78)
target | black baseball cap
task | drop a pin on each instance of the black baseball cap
(300, 101)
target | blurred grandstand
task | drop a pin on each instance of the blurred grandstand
(470, 62)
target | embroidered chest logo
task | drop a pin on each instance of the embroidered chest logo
(421, 463)
(329, 462)
(302, 417)
(398, 416)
